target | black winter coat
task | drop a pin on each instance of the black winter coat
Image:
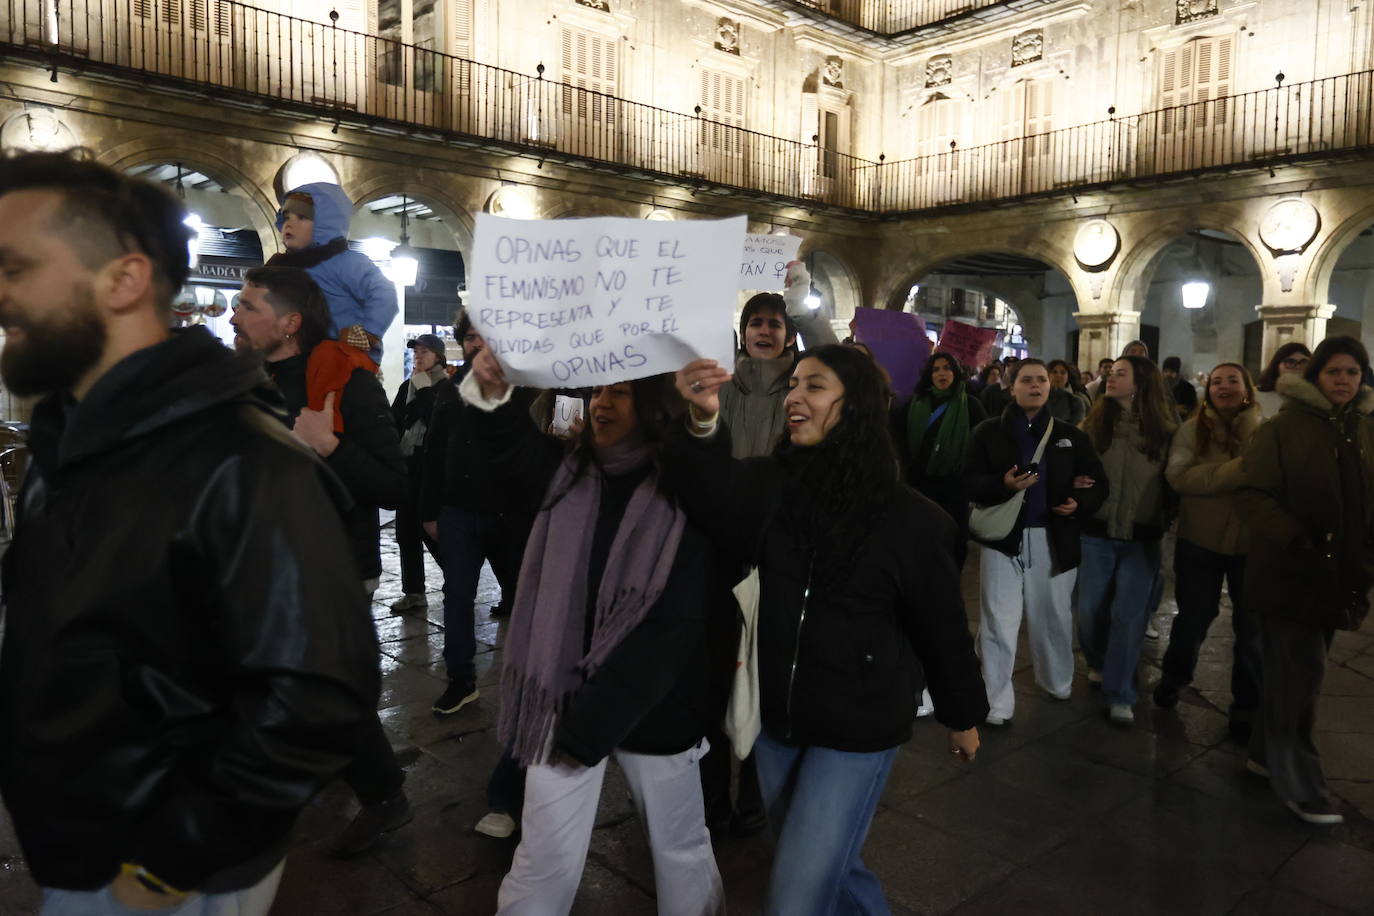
(457, 470)
(419, 410)
(1068, 454)
(947, 492)
(665, 686)
(837, 662)
(188, 657)
(368, 459)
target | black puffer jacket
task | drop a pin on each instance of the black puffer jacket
(457, 471)
(368, 459)
(666, 684)
(837, 662)
(1068, 454)
(187, 655)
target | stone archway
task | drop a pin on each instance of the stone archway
(835, 282)
(260, 207)
(455, 217)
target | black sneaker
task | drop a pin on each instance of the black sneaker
(500, 610)
(455, 698)
(1166, 695)
(370, 825)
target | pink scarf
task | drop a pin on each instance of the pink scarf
(544, 664)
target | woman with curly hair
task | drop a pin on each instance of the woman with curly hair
(858, 580)
(1130, 428)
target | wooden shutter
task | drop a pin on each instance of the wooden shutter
(722, 102)
(589, 61)
(1013, 103)
(462, 28)
(1039, 116)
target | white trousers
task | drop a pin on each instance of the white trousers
(1008, 585)
(556, 829)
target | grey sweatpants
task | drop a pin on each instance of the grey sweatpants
(1294, 665)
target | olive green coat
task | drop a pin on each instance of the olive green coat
(1307, 496)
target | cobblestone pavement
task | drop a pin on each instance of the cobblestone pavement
(1062, 813)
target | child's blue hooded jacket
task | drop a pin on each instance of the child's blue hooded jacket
(354, 287)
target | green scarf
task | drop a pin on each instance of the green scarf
(951, 439)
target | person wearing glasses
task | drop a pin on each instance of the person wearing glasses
(1289, 359)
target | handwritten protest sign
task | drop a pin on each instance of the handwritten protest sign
(566, 411)
(971, 345)
(898, 342)
(576, 303)
(764, 265)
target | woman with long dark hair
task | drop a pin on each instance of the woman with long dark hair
(1289, 359)
(1308, 498)
(932, 434)
(857, 581)
(608, 651)
(1130, 428)
(1065, 404)
(1033, 567)
(1205, 469)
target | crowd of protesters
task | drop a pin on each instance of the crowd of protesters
(173, 696)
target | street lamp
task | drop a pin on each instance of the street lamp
(1195, 293)
(195, 224)
(813, 300)
(405, 261)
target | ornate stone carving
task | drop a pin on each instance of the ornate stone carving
(602, 5)
(939, 71)
(1192, 10)
(1027, 47)
(832, 74)
(727, 35)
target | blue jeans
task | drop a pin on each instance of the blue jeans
(820, 803)
(465, 540)
(1116, 582)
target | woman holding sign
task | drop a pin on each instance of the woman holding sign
(857, 581)
(608, 651)
(1030, 562)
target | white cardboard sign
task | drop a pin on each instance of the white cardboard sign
(764, 266)
(566, 411)
(581, 302)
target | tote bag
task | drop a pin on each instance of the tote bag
(993, 523)
(742, 719)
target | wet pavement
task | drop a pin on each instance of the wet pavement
(1062, 813)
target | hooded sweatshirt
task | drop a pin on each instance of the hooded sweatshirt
(356, 290)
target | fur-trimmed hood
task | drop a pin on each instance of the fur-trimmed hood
(1299, 392)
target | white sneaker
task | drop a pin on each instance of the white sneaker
(1322, 812)
(995, 720)
(1095, 677)
(1151, 631)
(1121, 714)
(497, 824)
(924, 712)
(407, 602)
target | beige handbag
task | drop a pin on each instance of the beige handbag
(995, 522)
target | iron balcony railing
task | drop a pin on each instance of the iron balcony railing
(234, 51)
(1316, 119)
(237, 49)
(888, 17)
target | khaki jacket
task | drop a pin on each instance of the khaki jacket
(1207, 515)
(1134, 510)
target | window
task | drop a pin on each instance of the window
(589, 62)
(410, 22)
(722, 107)
(1195, 85)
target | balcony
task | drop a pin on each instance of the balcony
(900, 18)
(239, 54)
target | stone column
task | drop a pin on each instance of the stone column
(1103, 335)
(1305, 324)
